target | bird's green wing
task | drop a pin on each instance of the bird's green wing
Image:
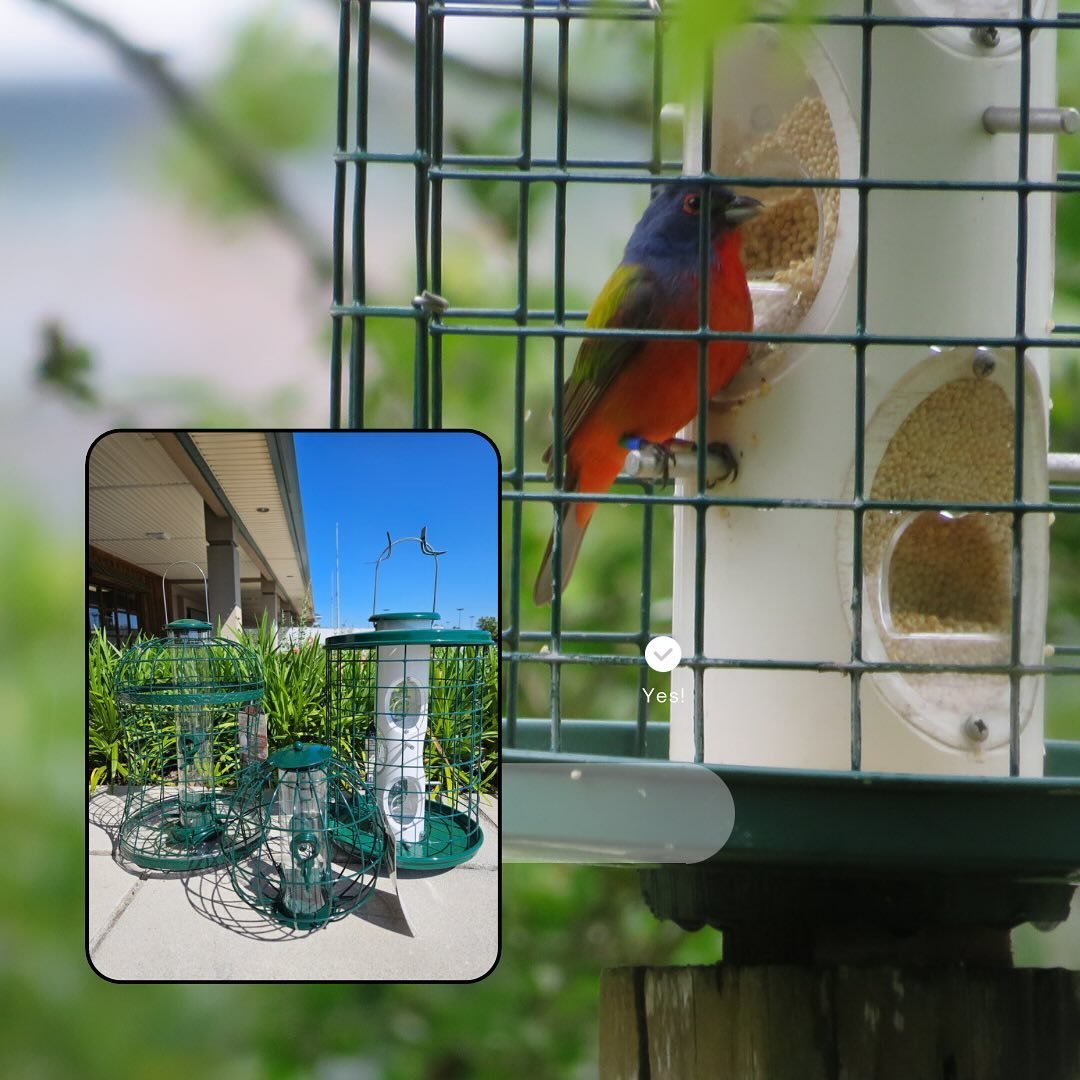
(629, 299)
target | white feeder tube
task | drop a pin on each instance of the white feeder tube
(402, 692)
(940, 264)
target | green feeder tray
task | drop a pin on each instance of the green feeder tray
(807, 857)
(183, 701)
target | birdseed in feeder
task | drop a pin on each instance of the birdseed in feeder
(787, 247)
(945, 577)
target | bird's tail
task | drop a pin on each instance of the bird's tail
(575, 520)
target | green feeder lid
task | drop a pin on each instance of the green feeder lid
(395, 616)
(188, 624)
(300, 755)
(371, 638)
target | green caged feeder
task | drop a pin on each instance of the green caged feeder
(183, 701)
(405, 702)
(284, 832)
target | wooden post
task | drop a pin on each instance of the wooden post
(777, 1022)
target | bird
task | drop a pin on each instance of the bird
(628, 391)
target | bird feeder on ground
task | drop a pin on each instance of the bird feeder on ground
(406, 701)
(282, 835)
(178, 698)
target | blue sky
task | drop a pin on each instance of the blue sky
(373, 482)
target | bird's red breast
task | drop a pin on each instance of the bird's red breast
(655, 394)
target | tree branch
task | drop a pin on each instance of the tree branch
(229, 149)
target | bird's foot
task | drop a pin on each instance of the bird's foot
(723, 453)
(654, 461)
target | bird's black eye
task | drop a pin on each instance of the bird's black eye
(691, 204)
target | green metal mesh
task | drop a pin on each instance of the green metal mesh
(410, 717)
(304, 845)
(546, 665)
(189, 668)
(188, 706)
(573, 688)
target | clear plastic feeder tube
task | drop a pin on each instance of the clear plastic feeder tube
(302, 847)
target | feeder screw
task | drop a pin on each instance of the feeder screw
(431, 303)
(976, 729)
(983, 364)
(986, 37)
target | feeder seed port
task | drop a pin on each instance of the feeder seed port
(782, 244)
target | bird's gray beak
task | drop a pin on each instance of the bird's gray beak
(741, 209)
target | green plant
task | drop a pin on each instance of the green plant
(464, 691)
(105, 751)
(295, 679)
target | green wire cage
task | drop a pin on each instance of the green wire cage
(406, 703)
(292, 838)
(184, 702)
(900, 110)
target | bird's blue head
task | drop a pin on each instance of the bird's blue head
(670, 229)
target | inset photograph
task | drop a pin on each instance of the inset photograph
(292, 735)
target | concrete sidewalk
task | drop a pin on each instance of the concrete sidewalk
(148, 925)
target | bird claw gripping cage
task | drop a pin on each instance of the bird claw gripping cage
(406, 704)
(184, 701)
(862, 612)
(304, 838)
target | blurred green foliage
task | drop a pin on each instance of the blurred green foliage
(65, 366)
(1063, 694)
(276, 89)
(535, 1014)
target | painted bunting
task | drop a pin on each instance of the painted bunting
(624, 389)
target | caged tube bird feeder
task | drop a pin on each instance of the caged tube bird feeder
(406, 702)
(180, 699)
(862, 613)
(284, 832)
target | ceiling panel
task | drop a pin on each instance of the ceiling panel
(137, 489)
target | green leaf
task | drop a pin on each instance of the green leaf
(275, 91)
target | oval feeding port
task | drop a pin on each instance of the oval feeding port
(787, 248)
(771, 121)
(938, 582)
(948, 574)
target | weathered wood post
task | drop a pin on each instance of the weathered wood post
(881, 1022)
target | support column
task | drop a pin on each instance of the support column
(880, 973)
(271, 605)
(781, 1022)
(223, 572)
